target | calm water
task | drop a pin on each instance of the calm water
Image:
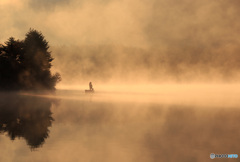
(73, 126)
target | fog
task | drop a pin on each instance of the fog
(209, 96)
(165, 75)
(108, 41)
(79, 127)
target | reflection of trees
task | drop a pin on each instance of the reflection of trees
(27, 117)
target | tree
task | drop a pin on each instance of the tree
(10, 63)
(25, 65)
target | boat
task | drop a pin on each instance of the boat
(89, 91)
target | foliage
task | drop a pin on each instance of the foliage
(25, 64)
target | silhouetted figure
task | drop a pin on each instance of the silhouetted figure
(90, 90)
(90, 86)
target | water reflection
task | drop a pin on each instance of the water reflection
(127, 132)
(25, 117)
(101, 130)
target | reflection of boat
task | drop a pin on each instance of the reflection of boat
(89, 91)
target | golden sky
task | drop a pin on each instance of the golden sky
(126, 22)
(187, 38)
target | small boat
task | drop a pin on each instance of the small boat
(89, 91)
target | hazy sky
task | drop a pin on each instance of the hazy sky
(126, 22)
(187, 38)
(75, 22)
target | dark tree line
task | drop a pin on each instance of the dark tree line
(25, 64)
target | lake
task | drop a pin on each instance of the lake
(119, 127)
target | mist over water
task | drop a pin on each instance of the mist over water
(172, 125)
(165, 75)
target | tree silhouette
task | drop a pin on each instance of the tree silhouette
(10, 63)
(26, 64)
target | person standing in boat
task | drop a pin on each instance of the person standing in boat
(90, 86)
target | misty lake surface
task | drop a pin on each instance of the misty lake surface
(117, 127)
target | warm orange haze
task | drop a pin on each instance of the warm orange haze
(131, 41)
(164, 80)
